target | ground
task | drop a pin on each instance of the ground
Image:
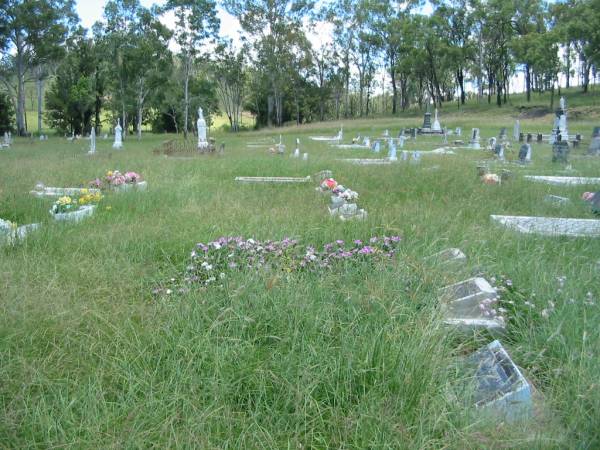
(351, 358)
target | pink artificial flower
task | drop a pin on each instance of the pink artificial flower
(587, 196)
(132, 177)
(330, 183)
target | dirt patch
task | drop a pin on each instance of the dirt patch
(533, 112)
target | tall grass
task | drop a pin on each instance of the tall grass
(355, 358)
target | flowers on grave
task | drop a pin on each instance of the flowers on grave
(212, 262)
(68, 204)
(587, 196)
(490, 178)
(115, 178)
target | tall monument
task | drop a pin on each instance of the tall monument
(201, 124)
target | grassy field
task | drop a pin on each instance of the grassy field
(349, 358)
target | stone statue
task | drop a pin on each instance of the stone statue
(118, 144)
(201, 124)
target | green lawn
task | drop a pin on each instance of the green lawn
(351, 358)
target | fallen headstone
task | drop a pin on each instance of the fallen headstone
(550, 226)
(283, 180)
(449, 256)
(559, 181)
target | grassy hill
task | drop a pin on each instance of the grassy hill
(350, 357)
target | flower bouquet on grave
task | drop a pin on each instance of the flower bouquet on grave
(75, 209)
(327, 186)
(120, 182)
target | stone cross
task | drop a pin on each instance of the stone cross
(118, 144)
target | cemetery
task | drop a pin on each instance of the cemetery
(347, 274)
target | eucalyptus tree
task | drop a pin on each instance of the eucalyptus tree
(276, 29)
(31, 33)
(230, 74)
(196, 24)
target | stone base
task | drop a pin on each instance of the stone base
(75, 216)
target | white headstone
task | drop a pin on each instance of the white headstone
(118, 144)
(296, 153)
(516, 130)
(436, 123)
(305, 157)
(201, 125)
(458, 131)
(92, 141)
(475, 139)
(392, 153)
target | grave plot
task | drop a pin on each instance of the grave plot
(342, 201)
(120, 182)
(495, 384)
(550, 226)
(10, 233)
(367, 161)
(188, 149)
(338, 138)
(449, 256)
(470, 305)
(42, 191)
(562, 181)
(274, 180)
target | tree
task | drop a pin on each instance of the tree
(32, 30)
(229, 72)
(276, 27)
(71, 98)
(196, 24)
(7, 113)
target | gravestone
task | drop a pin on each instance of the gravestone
(499, 151)
(392, 151)
(414, 133)
(92, 141)
(594, 148)
(529, 138)
(296, 153)
(304, 156)
(118, 144)
(521, 137)
(475, 139)
(560, 123)
(525, 153)
(401, 140)
(445, 136)
(517, 131)
(404, 155)
(503, 134)
(416, 157)
(376, 147)
(201, 126)
(540, 138)
(560, 152)
(6, 139)
(458, 131)
(436, 123)
(492, 143)
(427, 120)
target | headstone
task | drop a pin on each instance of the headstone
(458, 131)
(118, 144)
(296, 153)
(386, 133)
(392, 151)
(6, 139)
(525, 153)
(503, 135)
(517, 131)
(414, 133)
(404, 155)
(560, 122)
(436, 123)
(475, 139)
(499, 151)
(416, 157)
(594, 148)
(560, 152)
(377, 147)
(401, 140)
(496, 386)
(427, 120)
(201, 125)
(92, 141)
(305, 157)
(521, 137)
(445, 136)
(492, 143)
(529, 138)
(540, 137)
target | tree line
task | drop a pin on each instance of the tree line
(124, 66)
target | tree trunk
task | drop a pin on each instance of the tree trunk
(186, 99)
(269, 111)
(460, 76)
(394, 92)
(528, 82)
(568, 65)
(21, 127)
(40, 105)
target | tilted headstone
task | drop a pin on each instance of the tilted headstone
(118, 144)
(499, 151)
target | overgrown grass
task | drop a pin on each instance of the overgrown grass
(355, 358)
